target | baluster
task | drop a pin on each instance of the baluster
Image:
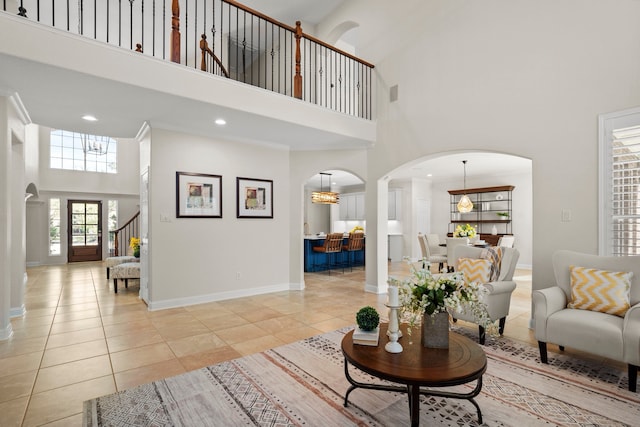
(153, 29)
(120, 23)
(21, 10)
(142, 26)
(186, 31)
(108, 3)
(175, 31)
(131, 24)
(297, 80)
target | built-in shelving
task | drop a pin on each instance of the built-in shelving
(492, 207)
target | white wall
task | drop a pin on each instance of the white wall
(516, 77)
(195, 260)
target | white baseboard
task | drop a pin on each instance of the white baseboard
(373, 289)
(219, 296)
(34, 264)
(5, 333)
(17, 311)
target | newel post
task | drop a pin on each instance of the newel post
(175, 31)
(297, 79)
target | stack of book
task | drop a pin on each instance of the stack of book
(366, 337)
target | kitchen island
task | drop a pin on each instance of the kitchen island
(315, 261)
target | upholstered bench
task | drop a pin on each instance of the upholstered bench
(125, 271)
(117, 260)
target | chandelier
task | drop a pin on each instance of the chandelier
(95, 144)
(465, 205)
(325, 197)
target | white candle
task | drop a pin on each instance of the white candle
(393, 296)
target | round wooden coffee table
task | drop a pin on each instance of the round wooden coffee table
(417, 366)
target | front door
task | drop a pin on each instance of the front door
(85, 230)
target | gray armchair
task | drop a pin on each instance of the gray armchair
(498, 299)
(599, 333)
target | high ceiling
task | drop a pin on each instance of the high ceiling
(58, 99)
(290, 11)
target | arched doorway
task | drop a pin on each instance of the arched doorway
(321, 219)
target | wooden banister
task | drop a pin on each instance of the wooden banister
(204, 47)
(294, 30)
(128, 230)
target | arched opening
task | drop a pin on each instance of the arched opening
(427, 206)
(321, 219)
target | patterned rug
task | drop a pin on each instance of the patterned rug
(303, 383)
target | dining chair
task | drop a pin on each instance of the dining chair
(452, 242)
(433, 258)
(332, 245)
(355, 243)
(506, 241)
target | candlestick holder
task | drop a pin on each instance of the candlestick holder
(393, 346)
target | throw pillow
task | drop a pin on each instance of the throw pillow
(493, 254)
(475, 270)
(600, 290)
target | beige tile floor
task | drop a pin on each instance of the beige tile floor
(79, 340)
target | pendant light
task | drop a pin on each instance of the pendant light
(325, 197)
(465, 205)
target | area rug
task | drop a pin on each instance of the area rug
(303, 384)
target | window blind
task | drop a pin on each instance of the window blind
(625, 191)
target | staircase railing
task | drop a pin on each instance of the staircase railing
(249, 46)
(124, 234)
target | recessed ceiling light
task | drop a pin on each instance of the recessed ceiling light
(429, 174)
(221, 122)
(89, 118)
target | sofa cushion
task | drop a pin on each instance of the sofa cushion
(600, 290)
(475, 270)
(493, 254)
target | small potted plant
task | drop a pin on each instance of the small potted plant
(503, 215)
(368, 321)
(367, 318)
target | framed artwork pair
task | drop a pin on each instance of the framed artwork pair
(199, 195)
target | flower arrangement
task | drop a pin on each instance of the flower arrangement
(464, 231)
(357, 229)
(423, 294)
(134, 244)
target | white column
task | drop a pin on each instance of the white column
(18, 226)
(5, 220)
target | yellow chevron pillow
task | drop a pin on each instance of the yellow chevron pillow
(600, 290)
(475, 270)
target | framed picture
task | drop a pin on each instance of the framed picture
(198, 195)
(254, 198)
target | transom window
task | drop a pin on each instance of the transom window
(83, 152)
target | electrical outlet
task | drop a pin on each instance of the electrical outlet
(566, 215)
(237, 275)
(164, 218)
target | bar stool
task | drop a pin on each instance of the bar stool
(332, 245)
(354, 244)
